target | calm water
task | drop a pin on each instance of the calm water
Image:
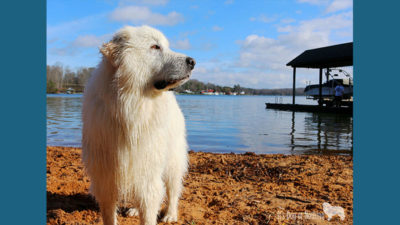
(228, 124)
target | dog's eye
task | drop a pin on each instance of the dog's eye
(156, 47)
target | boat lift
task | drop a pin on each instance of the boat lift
(328, 58)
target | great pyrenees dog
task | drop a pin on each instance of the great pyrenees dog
(134, 137)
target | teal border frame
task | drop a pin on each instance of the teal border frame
(376, 112)
(23, 109)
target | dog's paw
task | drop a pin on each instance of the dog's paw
(169, 217)
(132, 212)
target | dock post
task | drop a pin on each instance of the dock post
(320, 87)
(327, 74)
(294, 86)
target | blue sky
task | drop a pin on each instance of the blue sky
(233, 42)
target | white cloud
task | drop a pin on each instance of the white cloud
(217, 28)
(185, 34)
(313, 2)
(331, 5)
(143, 15)
(328, 24)
(52, 40)
(228, 2)
(263, 53)
(287, 28)
(263, 18)
(261, 61)
(338, 5)
(268, 53)
(207, 46)
(63, 51)
(74, 26)
(288, 20)
(81, 42)
(247, 78)
(88, 41)
(145, 2)
(199, 69)
(181, 44)
(345, 33)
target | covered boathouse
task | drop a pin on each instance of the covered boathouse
(340, 55)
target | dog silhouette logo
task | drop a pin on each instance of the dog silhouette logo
(332, 211)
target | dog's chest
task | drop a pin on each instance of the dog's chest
(155, 119)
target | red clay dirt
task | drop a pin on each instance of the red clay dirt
(220, 189)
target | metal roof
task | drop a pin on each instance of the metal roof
(326, 57)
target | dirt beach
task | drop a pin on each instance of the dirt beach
(220, 189)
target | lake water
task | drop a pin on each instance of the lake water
(227, 124)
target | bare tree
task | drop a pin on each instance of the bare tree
(60, 78)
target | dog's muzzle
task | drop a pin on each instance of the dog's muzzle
(162, 84)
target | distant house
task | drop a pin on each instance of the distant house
(208, 92)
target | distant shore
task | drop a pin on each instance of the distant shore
(220, 189)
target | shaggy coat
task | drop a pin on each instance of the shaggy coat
(134, 138)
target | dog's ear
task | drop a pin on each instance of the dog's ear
(109, 50)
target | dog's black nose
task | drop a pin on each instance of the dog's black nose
(191, 62)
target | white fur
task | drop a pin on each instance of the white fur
(134, 138)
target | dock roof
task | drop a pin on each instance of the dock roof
(326, 57)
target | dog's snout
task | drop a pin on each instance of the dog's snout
(191, 62)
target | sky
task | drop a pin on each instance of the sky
(234, 42)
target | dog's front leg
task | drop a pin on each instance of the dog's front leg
(150, 197)
(108, 211)
(174, 188)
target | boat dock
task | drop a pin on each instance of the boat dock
(310, 108)
(334, 56)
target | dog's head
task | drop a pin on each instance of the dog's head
(141, 57)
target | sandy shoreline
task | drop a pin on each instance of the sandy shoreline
(220, 189)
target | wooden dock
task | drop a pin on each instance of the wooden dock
(310, 108)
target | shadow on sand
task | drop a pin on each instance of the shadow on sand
(70, 203)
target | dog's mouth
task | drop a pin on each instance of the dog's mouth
(163, 84)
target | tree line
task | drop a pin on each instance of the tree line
(60, 78)
(198, 86)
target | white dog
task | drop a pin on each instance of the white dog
(134, 137)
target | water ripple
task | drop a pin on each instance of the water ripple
(227, 124)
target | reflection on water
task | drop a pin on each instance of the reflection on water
(64, 120)
(323, 134)
(228, 124)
